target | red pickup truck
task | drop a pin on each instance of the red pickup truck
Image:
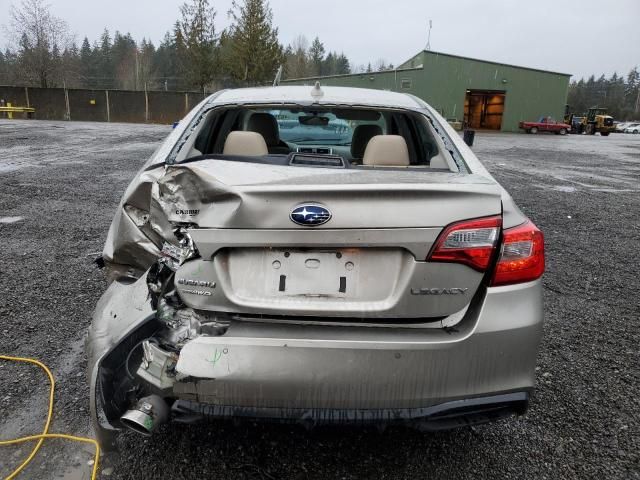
(546, 124)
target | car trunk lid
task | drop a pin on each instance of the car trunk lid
(367, 261)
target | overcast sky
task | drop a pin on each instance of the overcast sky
(580, 37)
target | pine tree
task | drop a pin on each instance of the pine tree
(88, 68)
(104, 61)
(316, 57)
(329, 64)
(196, 42)
(632, 93)
(145, 63)
(296, 60)
(125, 64)
(166, 65)
(255, 52)
(342, 65)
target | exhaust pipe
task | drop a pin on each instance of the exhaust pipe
(148, 414)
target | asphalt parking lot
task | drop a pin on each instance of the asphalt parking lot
(59, 186)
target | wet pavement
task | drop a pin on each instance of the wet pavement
(60, 183)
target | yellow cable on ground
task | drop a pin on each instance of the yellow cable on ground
(45, 433)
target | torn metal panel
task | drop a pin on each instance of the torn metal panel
(117, 312)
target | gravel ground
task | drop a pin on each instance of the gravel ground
(59, 186)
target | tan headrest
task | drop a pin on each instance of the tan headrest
(248, 144)
(387, 150)
(361, 136)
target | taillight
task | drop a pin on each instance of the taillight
(521, 256)
(470, 242)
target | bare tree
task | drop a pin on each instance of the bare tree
(381, 65)
(297, 59)
(40, 36)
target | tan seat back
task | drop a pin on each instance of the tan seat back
(248, 144)
(387, 151)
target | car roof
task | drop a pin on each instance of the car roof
(331, 95)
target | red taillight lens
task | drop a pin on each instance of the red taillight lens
(521, 256)
(471, 242)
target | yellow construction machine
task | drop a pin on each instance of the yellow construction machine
(597, 120)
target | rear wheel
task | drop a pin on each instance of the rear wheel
(563, 131)
(533, 130)
(636, 131)
(604, 134)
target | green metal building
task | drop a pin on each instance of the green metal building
(483, 94)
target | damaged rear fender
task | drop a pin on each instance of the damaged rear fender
(124, 308)
(157, 203)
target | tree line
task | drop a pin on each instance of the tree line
(193, 55)
(620, 95)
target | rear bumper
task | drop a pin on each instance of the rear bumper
(264, 365)
(453, 414)
(482, 369)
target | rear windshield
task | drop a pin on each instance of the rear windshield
(329, 137)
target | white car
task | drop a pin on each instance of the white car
(620, 127)
(632, 128)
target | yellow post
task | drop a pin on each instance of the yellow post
(9, 113)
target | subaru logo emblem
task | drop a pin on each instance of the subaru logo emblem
(310, 215)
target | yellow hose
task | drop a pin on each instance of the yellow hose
(45, 433)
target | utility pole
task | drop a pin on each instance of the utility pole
(428, 47)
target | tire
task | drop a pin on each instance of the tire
(533, 130)
(604, 134)
(563, 131)
(636, 131)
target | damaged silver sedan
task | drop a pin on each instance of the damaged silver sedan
(315, 255)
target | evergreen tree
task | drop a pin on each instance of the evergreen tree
(166, 65)
(196, 42)
(4, 69)
(329, 64)
(104, 61)
(255, 52)
(620, 98)
(126, 68)
(145, 63)
(88, 67)
(71, 67)
(316, 57)
(296, 59)
(342, 65)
